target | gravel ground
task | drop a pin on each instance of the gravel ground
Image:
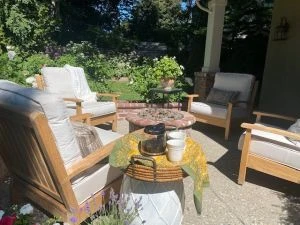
(262, 200)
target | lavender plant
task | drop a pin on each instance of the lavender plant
(116, 212)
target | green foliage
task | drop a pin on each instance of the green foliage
(70, 59)
(142, 80)
(246, 31)
(84, 47)
(17, 215)
(120, 66)
(32, 65)
(11, 69)
(149, 74)
(166, 68)
(27, 24)
(99, 72)
(180, 28)
(117, 212)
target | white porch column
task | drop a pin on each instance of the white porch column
(214, 34)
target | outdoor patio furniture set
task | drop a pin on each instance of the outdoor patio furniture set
(41, 145)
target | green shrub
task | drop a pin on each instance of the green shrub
(150, 72)
(11, 69)
(98, 72)
(67, 59)
(32, 65)
(84, 47)
(166, 68)
(142, 80)
(120, 66)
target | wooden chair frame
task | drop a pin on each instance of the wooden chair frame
(220, 122)
(38, 171)
(95, 120)
(262, 164)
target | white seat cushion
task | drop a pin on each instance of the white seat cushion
(55, 111)
(93, 180)
(242, 83)
(107, 136)
(218, 111)
(209, 109)
(58, 81)
(100, 175)
(95, 108)
(273, 146)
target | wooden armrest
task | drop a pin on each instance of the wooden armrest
(39, 81)
(112, 95)
(90, 160)
(73, 100)
(191, 98)
(272, 115)
(78, 104)
(85, 118)
(273, 130)
(108, 94)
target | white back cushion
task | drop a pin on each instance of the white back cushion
(243, 83)
(55, 111)
(58, 81)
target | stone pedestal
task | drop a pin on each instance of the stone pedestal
(203, 83)
(160, 203)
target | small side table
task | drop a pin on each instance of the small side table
(164, 92)
(156, 183)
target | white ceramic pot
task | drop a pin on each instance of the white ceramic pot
(175, 149)
(161, 203)
(176, 135)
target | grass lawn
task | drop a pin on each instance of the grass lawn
(123, 88)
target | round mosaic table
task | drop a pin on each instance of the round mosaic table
(149, 116)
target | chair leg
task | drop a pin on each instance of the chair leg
(227, 129)
(242, 174)
(244, 157)
(114, 123)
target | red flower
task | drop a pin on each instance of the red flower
(8, 220)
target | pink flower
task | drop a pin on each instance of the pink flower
(8, 220)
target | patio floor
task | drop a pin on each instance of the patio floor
(262, 200)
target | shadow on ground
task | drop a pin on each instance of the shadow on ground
(228, 164)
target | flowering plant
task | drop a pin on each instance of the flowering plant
(16, 216)
(116, 212)
(167, 68)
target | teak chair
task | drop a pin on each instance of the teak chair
(266, 149)
(39, 148)
(58, 80)
(221, 115)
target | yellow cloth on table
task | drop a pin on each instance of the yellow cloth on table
(193, 162)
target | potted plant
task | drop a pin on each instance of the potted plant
(167, 70)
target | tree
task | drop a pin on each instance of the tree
(245, 38)
(27, 24)
(171, 22)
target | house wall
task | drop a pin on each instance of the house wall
(280, 91)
